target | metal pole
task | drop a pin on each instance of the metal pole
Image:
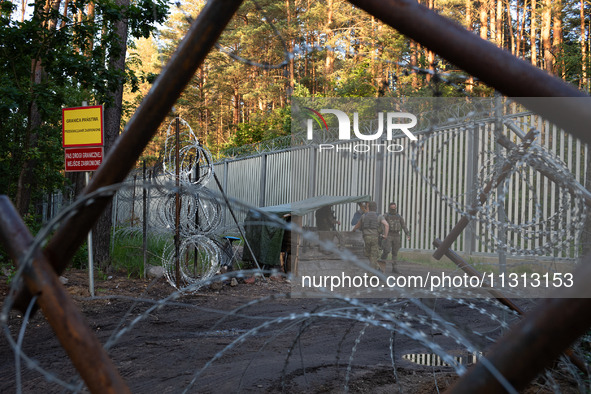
(145, 219)
(114, 223)
(378, 196)
(217, 181)
(312, 175)
(263, 183)
(133, 201)
(177, 217)
(148, 210)
(90, 259)
(471, 181)
(502, 235)
(226, 167)
(196, 171)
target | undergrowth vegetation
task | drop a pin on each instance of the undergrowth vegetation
(128, 254)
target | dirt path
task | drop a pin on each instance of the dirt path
(163, 352)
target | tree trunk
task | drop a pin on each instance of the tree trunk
(26, 175)
(484, 19)
(583, 48)
(431, 54)
(493, 21)
(499, 23)
(306, 55)
(102, 229)
(77, 181)
(290, 46)
(236, 105)
(557, 37)
(545, 35)
(520, 26)
(25, 179)
(533, 34)
(55, 6)
(89, 18)
(510, 23)
(328, 67)
(382, 75)
(65, 14)
(468, 22)
(413, 63)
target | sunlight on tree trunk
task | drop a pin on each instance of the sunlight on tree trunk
(557, 38)
(583, 79)
(545, 36)
(533, 34)
(328, 31)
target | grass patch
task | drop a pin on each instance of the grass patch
(478, 264)
(128, 255)
(432, 263)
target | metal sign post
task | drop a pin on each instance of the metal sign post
(82, 139)
(90, 259)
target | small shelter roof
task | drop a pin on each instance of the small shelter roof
(303, 207)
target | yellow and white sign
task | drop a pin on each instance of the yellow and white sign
(82, 126)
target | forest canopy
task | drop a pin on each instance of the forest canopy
(60, 53)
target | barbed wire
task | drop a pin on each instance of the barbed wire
(392, 316)
(387, 316)
(467, 111)
(559, 229)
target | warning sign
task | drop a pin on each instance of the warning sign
(82, 126)
(83, 159)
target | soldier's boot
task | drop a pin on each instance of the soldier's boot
(382, 266)
(394, 268)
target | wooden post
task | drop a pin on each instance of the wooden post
(295, 260)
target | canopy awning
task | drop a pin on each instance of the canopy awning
(265, 240)
(303, 207)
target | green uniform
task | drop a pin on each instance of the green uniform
(392, 242)
(371, 226)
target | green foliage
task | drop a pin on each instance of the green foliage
(357, 82)
(128, 255)
(80, 259)
(74, 67)
(230, 103)
(276, 124)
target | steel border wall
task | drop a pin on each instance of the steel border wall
(272, 178)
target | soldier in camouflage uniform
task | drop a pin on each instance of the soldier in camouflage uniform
(392, 241)
(370, 224)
